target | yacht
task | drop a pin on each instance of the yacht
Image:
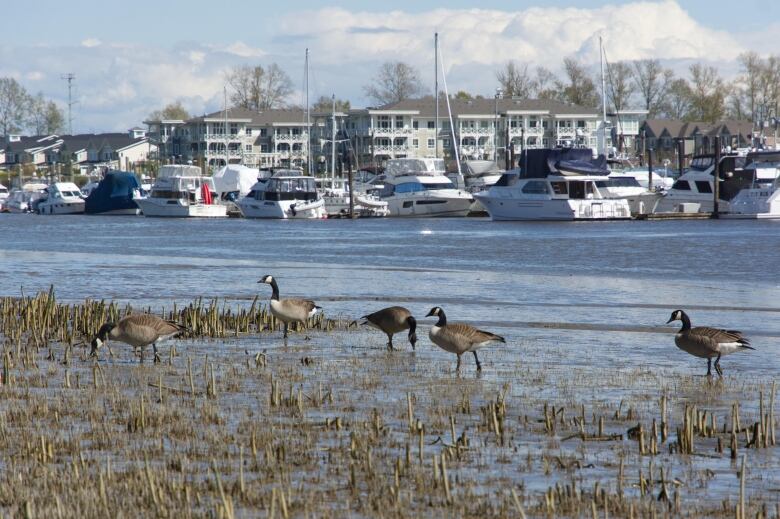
(287, 194)
(554, 184)
(62, 198)
(418, 187)
(634, 186)
(182, 191)
(693, 191)
(760, 198)
(115, 194)
(24, 199)
(478, 176)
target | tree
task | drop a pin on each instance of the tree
(257, 88)
(515, 81)
(547, 85)
(653, 83)
(463, 95)
(44, 117)
(749, 88)
(708, 94)
(394, 82)
(580, 90)
(173, 111)
(54, 119)
(14, 103)
(325, 104)
(620, 87)
(677, 100)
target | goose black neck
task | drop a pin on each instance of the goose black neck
(686, 322)
(412, 322)
(442, 319)
(275, 288)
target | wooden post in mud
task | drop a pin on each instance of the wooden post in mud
(680, 155)
(716, 179)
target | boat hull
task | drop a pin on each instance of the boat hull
(60, 207)
(178, 209)
(283, 209)
(512, 209)
(429, 205)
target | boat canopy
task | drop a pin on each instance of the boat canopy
(408, 166)
(114, 192)
(543, 162)
(480, 168)
(235, 178)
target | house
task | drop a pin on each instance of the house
(663, 136)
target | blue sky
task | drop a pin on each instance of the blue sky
(133, 57)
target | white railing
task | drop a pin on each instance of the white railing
(287, 137)
(393, 131)
(221, 137)
(221, 153)
(395, 147)
(475, 131)
(565, 132)
(529, 132)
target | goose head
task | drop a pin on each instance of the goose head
(435, 311)
(101, 337)
(268, 279)
(677, 315)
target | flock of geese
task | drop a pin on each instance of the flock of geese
(141, 330)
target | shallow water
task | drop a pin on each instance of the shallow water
(583, 306)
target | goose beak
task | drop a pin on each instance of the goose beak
(670, 320)
(432, 312)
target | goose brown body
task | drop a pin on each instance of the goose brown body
(289, 310)
(392, 320)
(459, 338)
(706, 342)
(137, 330)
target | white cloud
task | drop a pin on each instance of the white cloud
(119, 83)
(241, 49)
(91, 42)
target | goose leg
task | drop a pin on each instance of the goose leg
(285, 330)
(156, 355)
(389, 342)
(717, 366)
(457, 366)
(479, 366)
(709, 367)
(141, 361)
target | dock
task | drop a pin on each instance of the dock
(673, 216)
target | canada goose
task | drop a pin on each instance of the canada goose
(707, 342)
(289, 310)
(392, 320)
(459, 338)
(137, 330)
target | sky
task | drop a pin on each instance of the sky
(131, 58)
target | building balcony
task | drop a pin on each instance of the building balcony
(209, 154)
(566, 133)
(221, 137)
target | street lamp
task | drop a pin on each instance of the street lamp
(499, 93)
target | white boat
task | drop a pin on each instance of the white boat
(479, 175)
(419, 187)
(24, 199)
(760, 199)
(182, 191)
(557, 184)
(3, 196)
(287, 194)
(62, 198)
(335, 194)
(634, 186)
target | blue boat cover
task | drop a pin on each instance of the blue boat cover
(542, 162)
(114, 192)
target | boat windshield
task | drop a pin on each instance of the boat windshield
(412, 187)
(508, 179)
(618, 182)
(702, 163)
(301, 188)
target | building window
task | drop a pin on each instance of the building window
(416, 125)
(431, 143)
(415, 143)
(233, 128)
(264, 148)
(248, 147)
(263, 132)
(431, 125)
(580, 124)
(383, 121)
(399, 121)
(445, 143)
(296, 131)
(249, 131)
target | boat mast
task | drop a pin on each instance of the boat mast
(225, 129)
(603, 100)
(333, 148)
(436, 89)
(308, 115)
(455, 144)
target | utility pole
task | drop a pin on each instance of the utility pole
(436, 88)
(69, 77)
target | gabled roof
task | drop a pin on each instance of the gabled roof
(686, 130)
(276, 116)
(426, 107)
